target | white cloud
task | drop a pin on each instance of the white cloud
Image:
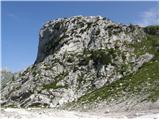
(150, 17)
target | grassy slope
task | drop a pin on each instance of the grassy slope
(143, 83)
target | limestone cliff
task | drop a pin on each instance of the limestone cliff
(78, 56)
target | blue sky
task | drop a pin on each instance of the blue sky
(21, 22)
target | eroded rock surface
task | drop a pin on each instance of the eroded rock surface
(76, 56)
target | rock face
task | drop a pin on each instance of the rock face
(6, 77)
(76, 56)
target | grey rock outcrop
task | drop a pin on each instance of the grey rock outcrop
(76, 56)
(6, 77)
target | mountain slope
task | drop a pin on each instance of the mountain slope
(141, 86)
(85, 58)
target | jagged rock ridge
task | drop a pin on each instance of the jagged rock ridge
(76, 56)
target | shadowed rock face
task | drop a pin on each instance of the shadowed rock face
(76, 56)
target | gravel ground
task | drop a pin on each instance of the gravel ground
(14, 113)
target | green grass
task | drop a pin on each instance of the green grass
(146, 45)
(152, 29)
(143, 83)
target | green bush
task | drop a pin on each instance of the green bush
(152, 30)
(101, 57)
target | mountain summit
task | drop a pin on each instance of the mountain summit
(88, 60)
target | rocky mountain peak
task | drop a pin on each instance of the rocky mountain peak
(77, 56)
(82, 32)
